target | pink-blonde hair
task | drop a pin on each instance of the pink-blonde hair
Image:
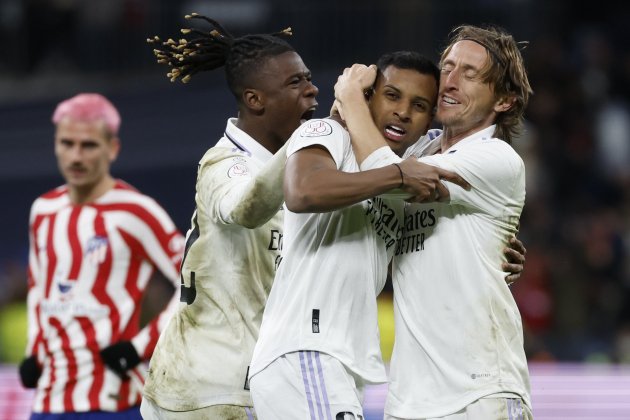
(89, 107)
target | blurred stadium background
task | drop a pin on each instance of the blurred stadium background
(575, 293)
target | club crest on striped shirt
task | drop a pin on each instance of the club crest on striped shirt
(96, 249)
(65, 286)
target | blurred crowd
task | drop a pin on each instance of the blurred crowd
(575, 293)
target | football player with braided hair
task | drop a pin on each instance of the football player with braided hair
(200, 366)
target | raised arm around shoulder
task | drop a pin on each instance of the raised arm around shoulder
(313, 183)
(353, 108)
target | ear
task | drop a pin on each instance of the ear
(253, 99)
(114, 148)
(504, 103)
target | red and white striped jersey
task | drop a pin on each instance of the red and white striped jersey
(89, 266)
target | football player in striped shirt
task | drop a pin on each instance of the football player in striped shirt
(94, 244)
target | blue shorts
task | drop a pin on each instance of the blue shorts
(132, 413)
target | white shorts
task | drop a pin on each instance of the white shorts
(307, 385)
(151, 411)
(484, 409)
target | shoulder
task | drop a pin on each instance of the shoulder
(499, 149)
(51, 201)
(55, 193)
(128, 207)
(326, 133)
(125, 197)
(320, 127)
(220, 153)
(487, 158)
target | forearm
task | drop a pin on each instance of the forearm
(33, 299)
(332, 189)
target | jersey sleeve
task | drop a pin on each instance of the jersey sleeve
(36, 287)
(235, 189)
(382, 157)
(326, 133)
(495, 172)
(163, 245)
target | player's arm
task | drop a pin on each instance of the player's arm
(353, 108)
(30, 367)
(234, 193)
(496, 177)
(162, 244)
(313, 183)
(258, 200)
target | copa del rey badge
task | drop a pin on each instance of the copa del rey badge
(316, 128)
(238, 169)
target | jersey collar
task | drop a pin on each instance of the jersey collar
(485, 134)
(244, 142)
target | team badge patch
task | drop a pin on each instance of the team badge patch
(316, 128)
(96, 249)
(65, 286)
(238, 169)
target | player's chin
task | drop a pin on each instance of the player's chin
(395, 145)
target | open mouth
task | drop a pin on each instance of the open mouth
(394, 132)
(308, 114)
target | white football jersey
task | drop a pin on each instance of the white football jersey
(333, 267)
(458, 330)
(203, 356)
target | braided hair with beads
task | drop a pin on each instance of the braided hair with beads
(210, 50)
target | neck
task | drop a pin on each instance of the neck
(258, 130)
(88, 194)
(452, 136)
(449, 139)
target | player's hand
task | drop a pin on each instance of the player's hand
(515, 254)
(120, 357)
(424, 183)
(353, 83)
(335, 110)
(30, 371)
